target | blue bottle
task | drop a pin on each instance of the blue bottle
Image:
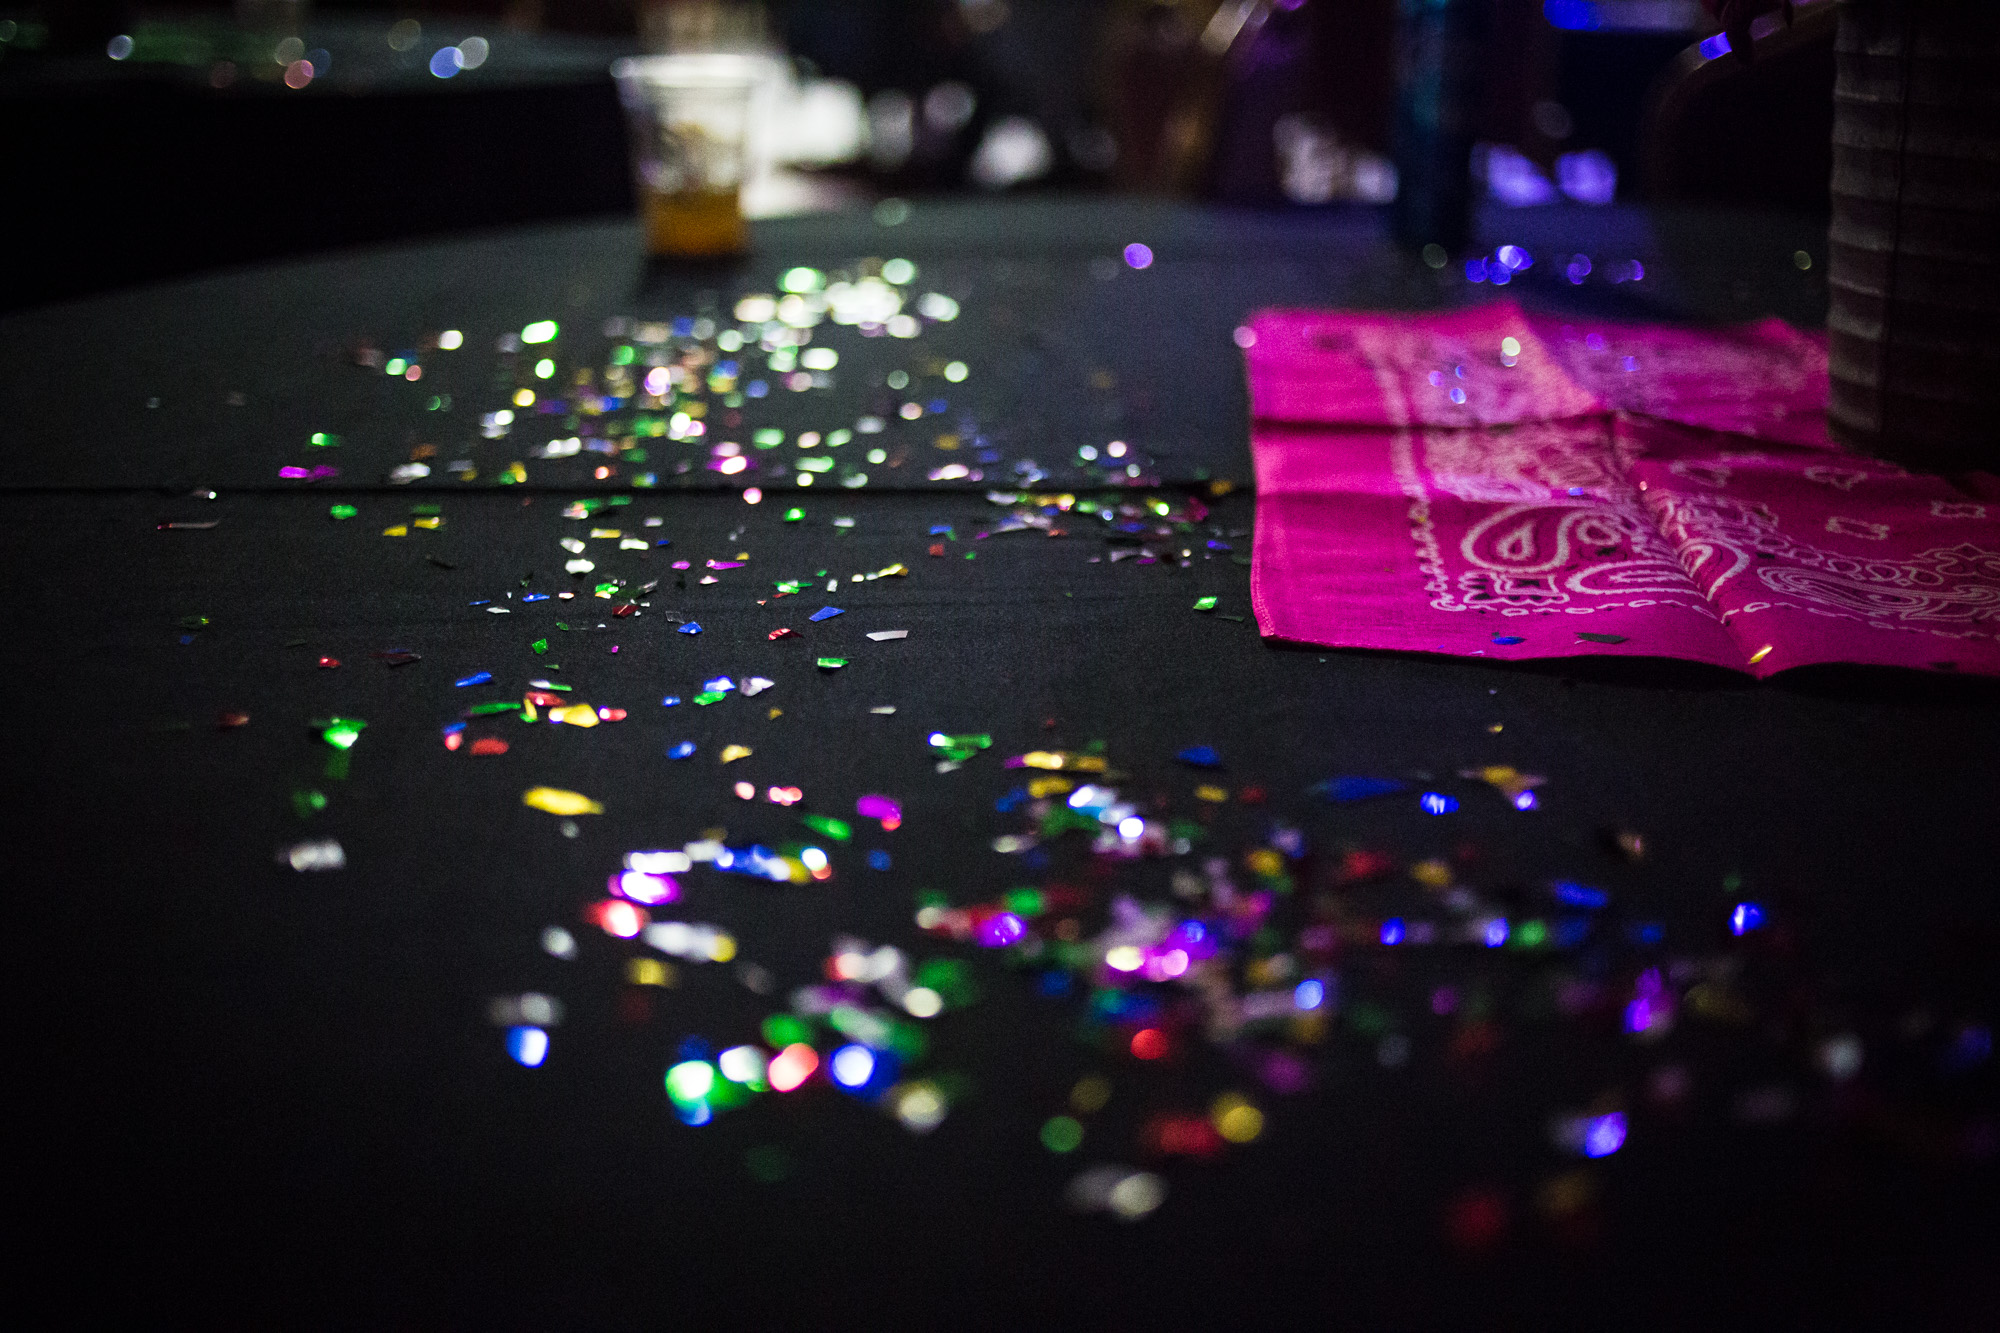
(1437, 92)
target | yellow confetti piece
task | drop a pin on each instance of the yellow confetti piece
(575, 715)
(606, 532)
(398, 531)
(1063, 761)
(1235, 1118)
(1264, 861)
(731, 753)
(1509, 782)
(1042, 787)
(432, 523)
(556, 801)
(777, 713)
(1432, 874)
(515, 473)
(649, 972)
(1206, 792)
(1761, 654)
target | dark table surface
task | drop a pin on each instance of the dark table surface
(262, 1095)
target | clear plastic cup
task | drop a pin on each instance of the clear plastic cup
(690, 138)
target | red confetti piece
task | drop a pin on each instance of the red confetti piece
(488, 745)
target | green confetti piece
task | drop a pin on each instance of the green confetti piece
(707, 697)
(1062, 1134)
(828, 827)
(782, 1030)
(1205, 604)
(308, 803)
(493, 708)
(950, 977)
(541, 331)
(832, 663)
(540, 645)
(794, 515)
(1025, 902)
(341, 732)
(322, 440)
(958, 749)
(342, 511)
(972, 555)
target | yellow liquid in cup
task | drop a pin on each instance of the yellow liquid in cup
(700, 225)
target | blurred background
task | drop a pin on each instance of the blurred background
(146, 141)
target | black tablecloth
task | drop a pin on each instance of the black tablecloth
(261, 1094)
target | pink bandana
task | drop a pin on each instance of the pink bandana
(1489, 483)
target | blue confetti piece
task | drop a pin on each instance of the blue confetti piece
(1220, 546)
(940, 529)
(1508, 639)
(826, 613)
(692, 627)
(484, 601)
(535, 597)
(671, 701)
(476, 678)
(1200, 756)
(1746, 918)
(662, 542)
(1580, 895)
(685, 750)
(878, 860)
(1343, 790)
(1437, 803)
